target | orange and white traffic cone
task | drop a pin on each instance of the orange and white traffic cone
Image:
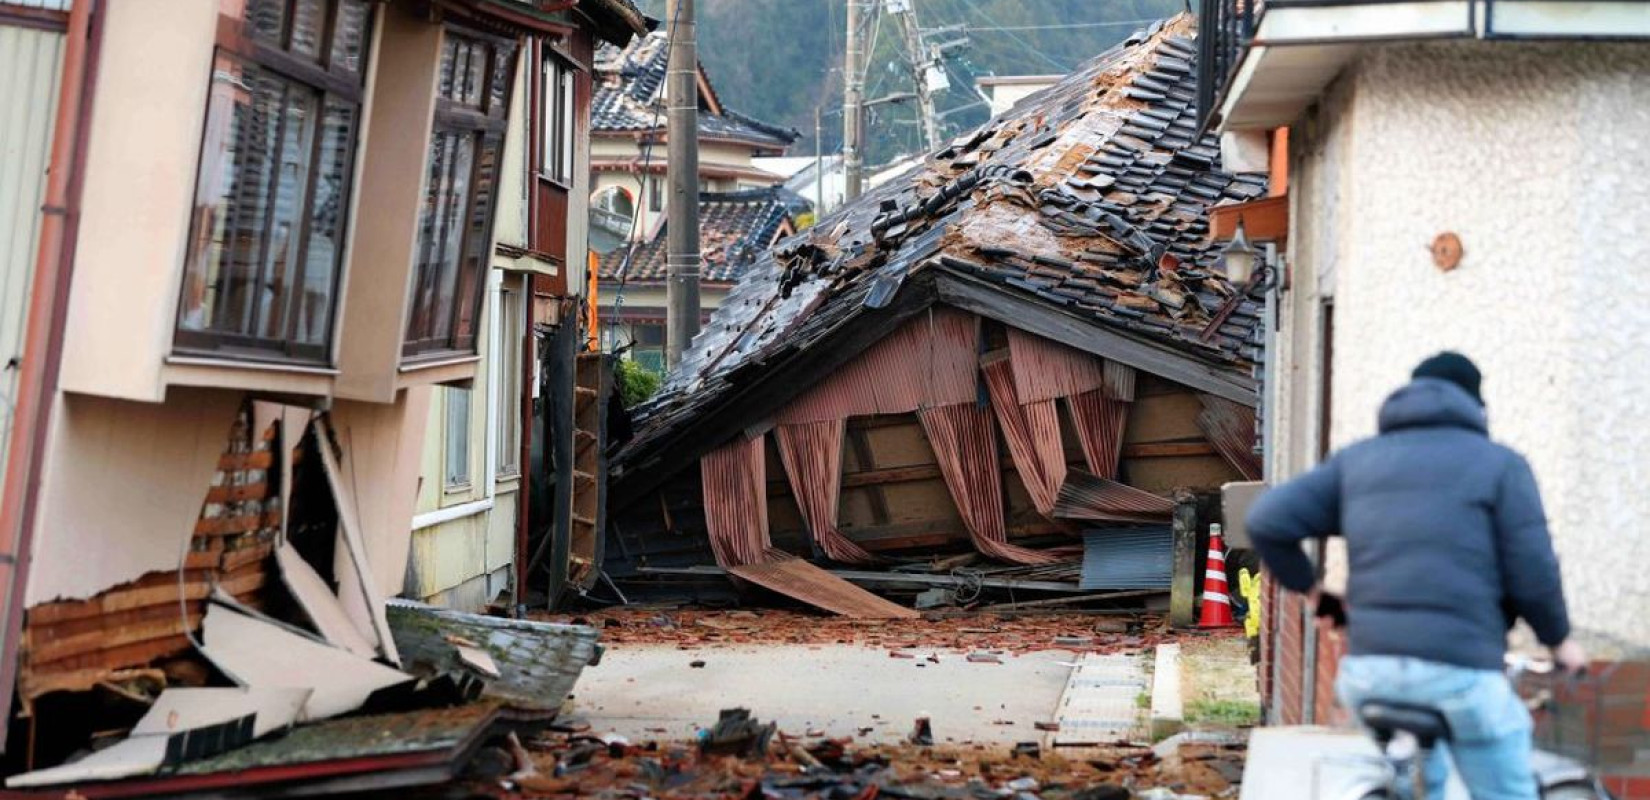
(1217, 599)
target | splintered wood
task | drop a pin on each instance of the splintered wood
(68, 644)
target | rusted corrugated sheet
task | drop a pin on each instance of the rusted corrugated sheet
(798, 579)
(1231, 429)
(1085, 496)
(1099, 421)
(736, 503)
(929, 361)
(965, 445)
(1032, 433)
(812, 453)
(1044, 370)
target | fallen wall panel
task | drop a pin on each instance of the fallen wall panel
(802, 581)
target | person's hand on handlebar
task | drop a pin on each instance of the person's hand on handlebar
(1570, 657)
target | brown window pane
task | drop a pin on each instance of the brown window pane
(313, 315)
(309, 24)
(266, 19)
(349, 39)
(449, 67)
(455, 226)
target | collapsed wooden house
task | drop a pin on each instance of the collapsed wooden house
(1022, 348)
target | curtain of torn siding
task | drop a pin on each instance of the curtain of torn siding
(1032, 431)
(965, 445)
(929, 361)
(1045, 370)
(812, 453)
(736, 502)
(1231, 429)
(1059, 493)
(1099, 422)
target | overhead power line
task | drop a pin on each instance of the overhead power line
(1007, 28)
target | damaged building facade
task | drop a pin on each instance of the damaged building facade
(1457, 179)
(743, 209)
(265, 248)
(1018, 361)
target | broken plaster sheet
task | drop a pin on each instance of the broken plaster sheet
(383, 448)
(356, 583)
(139, 755)
(146, 468)
(323, 608)
(190, 708)
(260, 655)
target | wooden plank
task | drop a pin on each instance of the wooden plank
(114, 631)
(258, 459)
(1183, 586)
(228, 526)
(237, 494)
(1138, 352)
(1168, 449)
(112, 658)
(860, 443)
(1266, 219)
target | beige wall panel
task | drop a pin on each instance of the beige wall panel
(382, 445)
(1163, 418)
(123, 486)
(140, 172)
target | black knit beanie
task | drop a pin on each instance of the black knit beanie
(1455, 368)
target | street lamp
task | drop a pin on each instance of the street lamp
(1244, 265)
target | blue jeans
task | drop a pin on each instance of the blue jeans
(1489, 725)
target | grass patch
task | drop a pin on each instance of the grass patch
(1223, 712)
(1143, 700)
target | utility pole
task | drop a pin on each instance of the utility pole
(819, 162)
(853, 95)
(924, 65)
(682, 207)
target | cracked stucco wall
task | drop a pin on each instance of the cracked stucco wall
(1538, 157)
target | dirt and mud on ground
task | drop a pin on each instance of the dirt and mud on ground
(572, 764)
(839, 699)
(1005, 633)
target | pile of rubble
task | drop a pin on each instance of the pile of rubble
(741, 758)
(1076, 632)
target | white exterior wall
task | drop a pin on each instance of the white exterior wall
(1536, 156)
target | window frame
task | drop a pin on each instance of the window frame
(512, 330)
(655, 194)
(484, 125)
(326, 83)
(453, 427)
(557, 134)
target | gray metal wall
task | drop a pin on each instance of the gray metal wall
(30, 63)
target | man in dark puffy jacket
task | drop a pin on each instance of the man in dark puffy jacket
(1445, 537)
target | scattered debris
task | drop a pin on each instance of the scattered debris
(737, 733)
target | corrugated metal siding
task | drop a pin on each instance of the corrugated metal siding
(1128, 558)
(30, 62)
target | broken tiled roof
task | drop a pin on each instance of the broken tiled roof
(1087, 202)
(630, 97)
(735, 228)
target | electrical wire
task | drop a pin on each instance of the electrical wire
(972, 6)
(636, 216)
(1008, 28)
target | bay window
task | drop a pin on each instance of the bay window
(460, 194)
(273, 187)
